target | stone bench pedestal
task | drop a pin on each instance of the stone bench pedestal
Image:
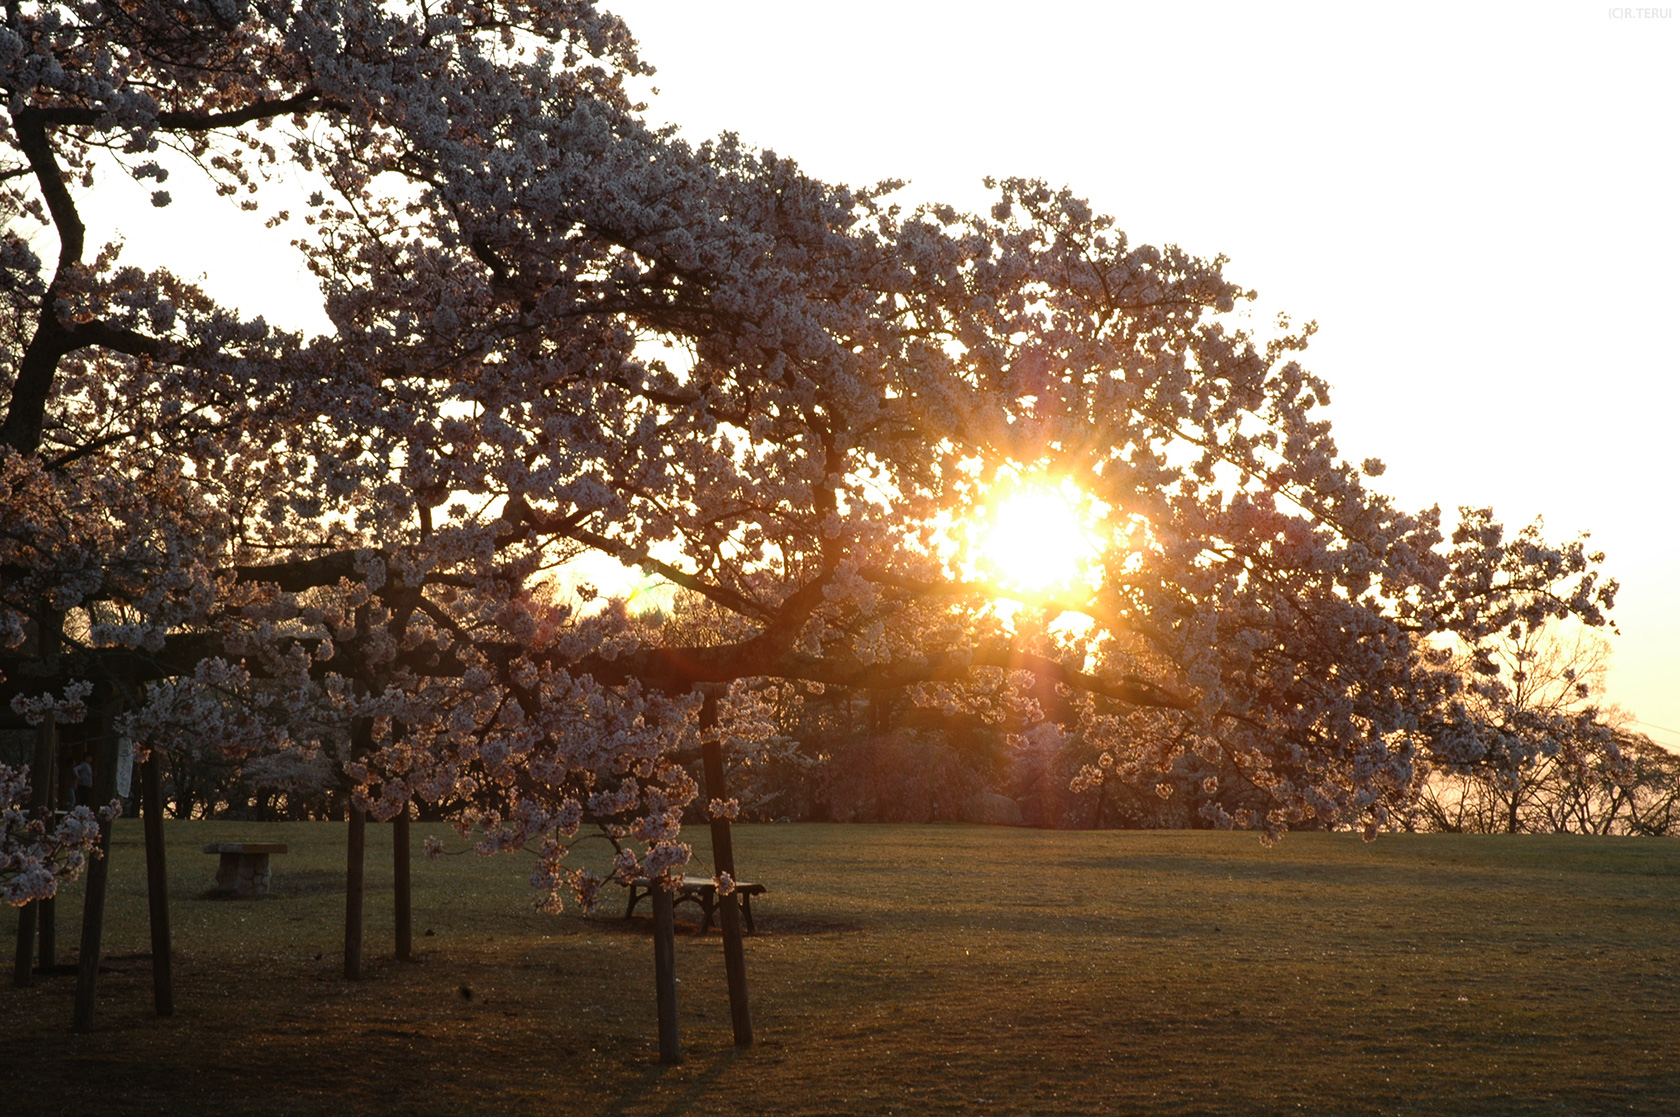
(244, 869)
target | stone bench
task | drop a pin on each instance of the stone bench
(243, 869)
(700, 891)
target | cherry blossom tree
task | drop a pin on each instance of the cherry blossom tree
(556, 330)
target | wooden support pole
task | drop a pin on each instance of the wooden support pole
(23, 962)
(47, 766)
(355, 889)
(723, 860)
(98, 873)
(157, 885)
(665, 973)
(404, 892)
(40, 802)
(355, 859)
(402, 889)
(47, 958)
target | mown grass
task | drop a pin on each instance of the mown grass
(906, 969)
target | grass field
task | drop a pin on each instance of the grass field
(903, 969)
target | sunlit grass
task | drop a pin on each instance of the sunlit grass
(912, 969)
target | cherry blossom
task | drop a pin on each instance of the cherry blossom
(35, 858)
(557, 330)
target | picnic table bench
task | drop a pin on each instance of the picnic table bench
(243, 869)
(701, 891)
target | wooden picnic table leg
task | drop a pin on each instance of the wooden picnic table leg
(746, 910)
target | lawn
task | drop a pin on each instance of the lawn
(903, 969)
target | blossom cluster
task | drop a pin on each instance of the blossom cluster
(558, 330)
(35, 858)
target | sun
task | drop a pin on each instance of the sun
(1034, 539)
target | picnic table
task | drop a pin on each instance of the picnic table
(244, 869)
(701, 891)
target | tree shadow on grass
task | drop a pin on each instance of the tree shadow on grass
(683, 1103)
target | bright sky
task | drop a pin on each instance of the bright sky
(1475, 200)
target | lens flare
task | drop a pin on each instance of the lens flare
(1034, 540)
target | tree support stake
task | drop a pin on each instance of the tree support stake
(157, 885)
(729, 911)
(665, 972)
(355, 860)
(98, 875)
(32, 914)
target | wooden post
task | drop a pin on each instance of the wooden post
(404, 893)
(729, 912)
(157, 885)
(402, 898)
(98, 873)
(47, 959)
(665, 973)
(47, 766)
(40, 802)
(355, 888)
(23, 962)
(355, 859)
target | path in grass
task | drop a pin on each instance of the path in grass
(910, 969)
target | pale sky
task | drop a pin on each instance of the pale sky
(1475, 201)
